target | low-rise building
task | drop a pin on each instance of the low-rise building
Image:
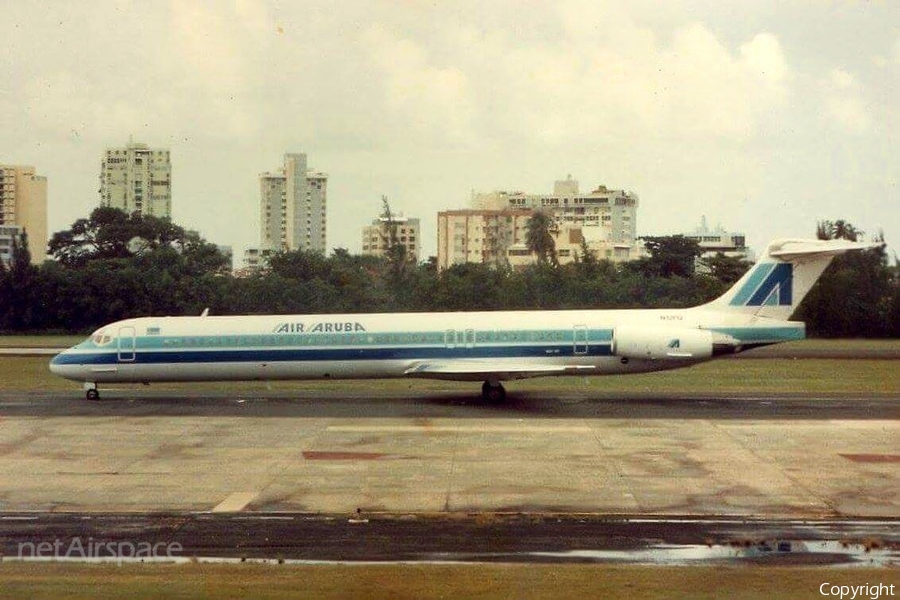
(494, 230)
(479, 235)
(602, 215)
(9, 234)
(254, 260)
(604, 219)
(719, 240)
(568, 245)
(376, 237)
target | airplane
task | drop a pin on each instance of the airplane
(492, 347)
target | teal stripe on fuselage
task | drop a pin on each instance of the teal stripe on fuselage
(749, 335)
(359, 339)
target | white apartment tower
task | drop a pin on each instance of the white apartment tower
(138, 179)
(293, 207)
(23, 204)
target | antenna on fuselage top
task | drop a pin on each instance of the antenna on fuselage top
(205, 312)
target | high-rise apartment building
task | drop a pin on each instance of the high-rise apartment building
(138, 179)
(376, 237)
(23, 203)
(293, 202)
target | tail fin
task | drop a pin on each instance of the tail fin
(779, 281)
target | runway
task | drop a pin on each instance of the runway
(546, 538)
(451, 403)
(333, 452)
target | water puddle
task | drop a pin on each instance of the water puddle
(812, 552)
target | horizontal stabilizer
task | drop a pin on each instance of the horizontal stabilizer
(792, 249)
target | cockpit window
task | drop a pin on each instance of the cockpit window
(101, 338)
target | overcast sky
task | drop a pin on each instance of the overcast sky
(764, 116)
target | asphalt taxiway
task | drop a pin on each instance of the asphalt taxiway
(334, 452)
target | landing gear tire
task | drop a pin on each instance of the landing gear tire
(495, 394)
(91, 392)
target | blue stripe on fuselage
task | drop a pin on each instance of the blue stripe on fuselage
(207, 355)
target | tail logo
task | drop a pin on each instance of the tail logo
(770, 284)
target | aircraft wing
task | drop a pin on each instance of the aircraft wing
(477, 370)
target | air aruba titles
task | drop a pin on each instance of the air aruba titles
(321, 327)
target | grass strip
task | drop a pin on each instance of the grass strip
(54, 580)
(808, 376)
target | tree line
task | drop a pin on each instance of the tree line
(112, 266)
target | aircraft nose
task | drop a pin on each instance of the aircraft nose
(58, 364)
(66, 365)
(55, 364)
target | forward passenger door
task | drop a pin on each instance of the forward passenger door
(126, 344)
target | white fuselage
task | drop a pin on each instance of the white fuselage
(492, 346)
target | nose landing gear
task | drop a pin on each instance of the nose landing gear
(493, 392)
(91, 392)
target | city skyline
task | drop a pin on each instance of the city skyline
(764, 118)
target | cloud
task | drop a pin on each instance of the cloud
(58, 106)
(850, 113)
(844, 103)
(214, 59)
(763, 57)
(596, 78)
(424, 96)
(841, 79)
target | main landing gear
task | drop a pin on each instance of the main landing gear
(493, 392)
(91, 392)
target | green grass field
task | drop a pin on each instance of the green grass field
(40, 341)
(53, 580)
(806, 376)
(849, 345)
